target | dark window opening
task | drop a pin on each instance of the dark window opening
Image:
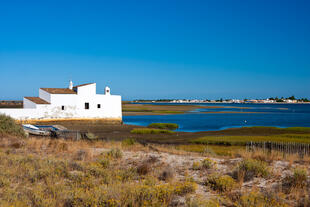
(98, 106)
(86, 105)
(62, 107)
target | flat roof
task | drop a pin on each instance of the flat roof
(37, 100)
(59, 90)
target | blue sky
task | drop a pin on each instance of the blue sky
(157, 49)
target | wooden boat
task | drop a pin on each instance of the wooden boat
(33, 130)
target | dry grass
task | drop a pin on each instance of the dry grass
(273, 156)
(65, 173)
(83, 173)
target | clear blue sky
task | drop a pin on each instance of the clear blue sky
(157, 49)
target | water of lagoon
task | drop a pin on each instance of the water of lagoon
(278, 115)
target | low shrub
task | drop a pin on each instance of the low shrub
(155, 195)
(82, 155)
(185, 188)
(196, 166)
(8, 126)
(17, 145)
(115, 153)
(167, 174)
(204, 164)
(128, 174)
(104, 162)
(170, 126)
(97, 171)
(201, 201)
(250, 168)
(221, 184)
(298, 180)
(151, 131)
(61, 147)
(4, 182)
(207, 163)
(144, 168)
(254, 199)
(128, 142)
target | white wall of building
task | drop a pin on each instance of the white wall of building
(45, 95)
(74, 106)
(22, 114)
(63, 100)
(87, 90)
(29, 104)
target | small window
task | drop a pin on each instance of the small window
(62, 107)
(86, 105)
(98, 106)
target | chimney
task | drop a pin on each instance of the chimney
(107, 91)
(70, 85)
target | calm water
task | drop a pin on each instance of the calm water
(279, 115)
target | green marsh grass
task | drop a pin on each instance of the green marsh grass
(153, 111)
(295, 129)
(170, 126)
(302, 129)
(151, 131)
(168, 112)
(242, 140)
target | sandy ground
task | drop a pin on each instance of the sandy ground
(182, 167)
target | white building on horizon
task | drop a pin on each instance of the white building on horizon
(74, 102)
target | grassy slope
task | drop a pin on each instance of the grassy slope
(8, 127)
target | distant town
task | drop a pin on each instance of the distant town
(290, 99)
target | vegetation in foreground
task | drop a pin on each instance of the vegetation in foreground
(47, 172)
(67, 173)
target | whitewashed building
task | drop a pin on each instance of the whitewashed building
(74, 102)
